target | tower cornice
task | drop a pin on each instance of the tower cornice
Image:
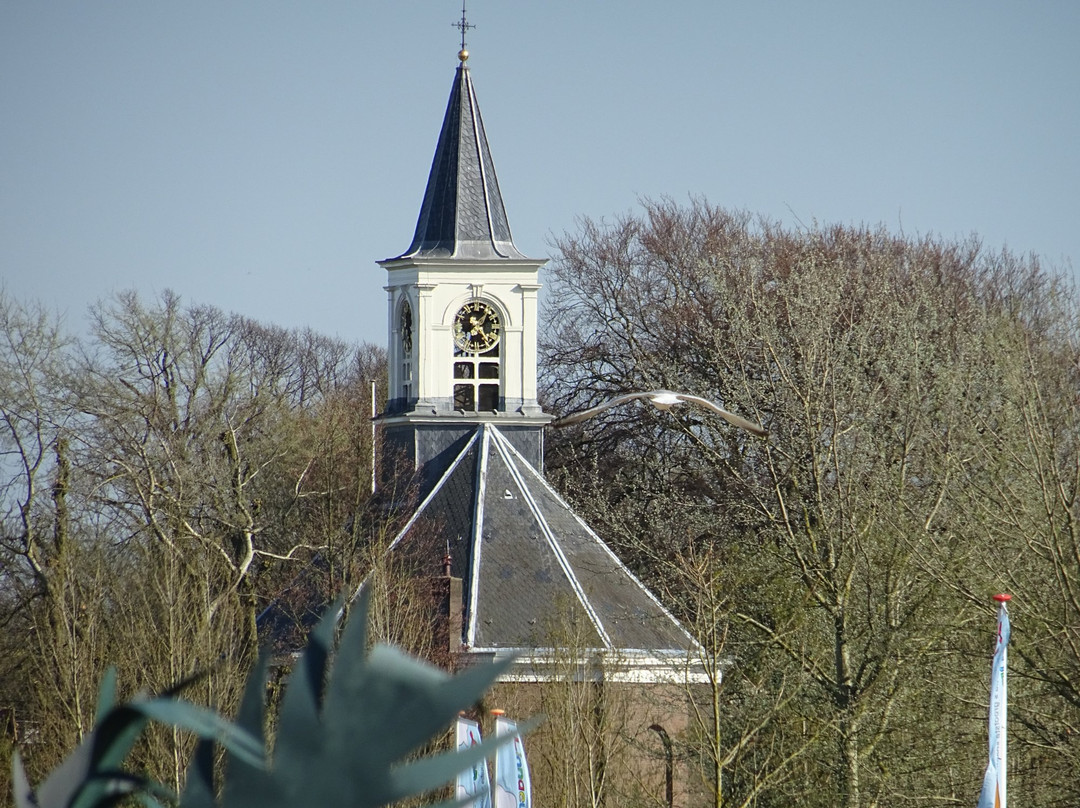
(479, 264)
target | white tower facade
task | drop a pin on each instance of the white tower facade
(462, 337)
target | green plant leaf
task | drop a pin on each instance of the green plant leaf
(20, 785)
(72, 784)
(199, 788)
(350, 664)
(108, 787)
(106, 694)
(243, 780)
(299, 734)
(432, 772)
(91, 777)
(343, 738)
(346, 728)
(148, 800)
(206, 724)
(415, 699)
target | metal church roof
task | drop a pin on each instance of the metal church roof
(526, 559)
(462, 215)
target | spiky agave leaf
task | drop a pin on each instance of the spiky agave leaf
(243, 776)
(428, 773)
(106, 694)
(390, 706)
(91, 776)
(345, 730)
(199, 787)
(300, 736)
(204, 723)
(23, 793)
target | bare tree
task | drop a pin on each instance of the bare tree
(169, 476)
(44, 572)
(871, 359)
(1028, 502)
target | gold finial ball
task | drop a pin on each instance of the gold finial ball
(463, 55)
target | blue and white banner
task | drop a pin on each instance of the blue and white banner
(473, 782)
(993, 788)
(513, 788)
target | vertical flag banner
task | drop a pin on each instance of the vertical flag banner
(993, 788)
(473, 782)
(513, 788)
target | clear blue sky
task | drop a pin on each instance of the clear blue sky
(262, 156)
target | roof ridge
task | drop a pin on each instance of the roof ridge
(594, 535)
(503, 445)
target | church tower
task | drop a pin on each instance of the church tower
(462, 304)
(463, 411)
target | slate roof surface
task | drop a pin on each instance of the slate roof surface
(526, 559)
(462, 215)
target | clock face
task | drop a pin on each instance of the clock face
(476, 327)
(406, 327)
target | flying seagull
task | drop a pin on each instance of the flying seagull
(664, 400)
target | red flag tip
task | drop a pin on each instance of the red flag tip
(1003, 598)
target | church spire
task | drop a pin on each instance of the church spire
(462, 215)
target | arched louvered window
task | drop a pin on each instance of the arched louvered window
(405, 336)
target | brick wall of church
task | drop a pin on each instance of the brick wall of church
(615, 740)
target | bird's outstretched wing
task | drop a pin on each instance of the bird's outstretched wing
(731, 418)
(575, 417)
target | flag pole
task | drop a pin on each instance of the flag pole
(994, 793)
(496, 714)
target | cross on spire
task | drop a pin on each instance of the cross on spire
(462, 25)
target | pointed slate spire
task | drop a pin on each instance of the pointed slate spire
(463, 214)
